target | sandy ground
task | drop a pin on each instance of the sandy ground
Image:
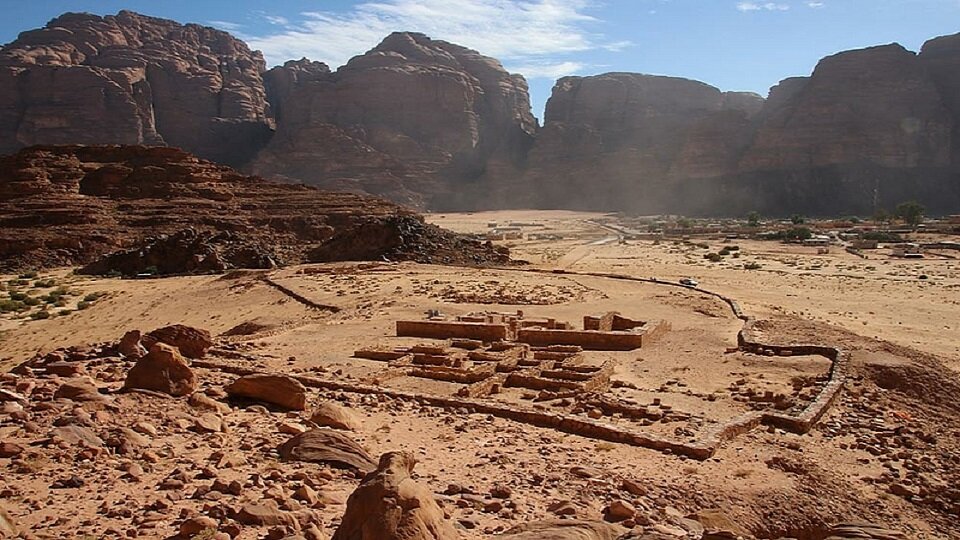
(770, 481)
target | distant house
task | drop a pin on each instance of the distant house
(818, 240)
(863, 243)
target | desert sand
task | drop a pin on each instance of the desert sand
(886, 451)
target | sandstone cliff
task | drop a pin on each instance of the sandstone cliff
(878, 124)
(621, 140)
(420, 120)
(132, 79)
(162, 207)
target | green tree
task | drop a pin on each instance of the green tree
(753, 219)
(797, 219)
(911, 212)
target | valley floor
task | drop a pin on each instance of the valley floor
(887, 452)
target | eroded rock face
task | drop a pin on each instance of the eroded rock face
(133, 79)
(389, 505)
(132, 209)
(878, 121)
(327, 446)
(419, 120)
(632, 136)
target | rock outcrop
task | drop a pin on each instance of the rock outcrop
(389, 505)
(419, 120)
(133, 79)
(134, 209)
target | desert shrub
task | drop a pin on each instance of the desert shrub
(28, 275)
(713, 257)
(17, 295)
(7, 305)
(703, 245)
(733, 247)
(83, 305)
(752, 266)
(42, 314)
(31, 301)
(44, 283)
(18, 282)
(94, 296)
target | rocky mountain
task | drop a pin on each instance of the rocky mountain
(132, 79)
(877, 124)
(127, 208)
(435, 125)
(420, 120)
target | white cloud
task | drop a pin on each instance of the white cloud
(547, 70)
(531, 36)
(275, 19)
(815, 5)
(762, 6)
(226, 25)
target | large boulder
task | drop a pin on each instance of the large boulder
(192, 342)
(279, 390)
(79, 389)
(389, 505)
(565, 529)
(327, 446)
(163, 369)
(333, 415)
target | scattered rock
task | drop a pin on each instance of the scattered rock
(264, 512)
(8, 529)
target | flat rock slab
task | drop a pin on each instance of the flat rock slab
(327, 446)
(279, 390)
(565, 529)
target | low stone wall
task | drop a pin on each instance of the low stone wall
(448, 329)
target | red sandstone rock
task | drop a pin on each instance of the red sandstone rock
(133, 79)
(192, 342)
(565, 529)
(389, 505)
(329, 414)
(414, 119)
(57, 208)
(163, 369)
(278, 390)
(327, 446)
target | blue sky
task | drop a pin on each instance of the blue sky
(731, 44)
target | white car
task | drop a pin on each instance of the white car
(689, 282)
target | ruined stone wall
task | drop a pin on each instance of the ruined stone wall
(447, 330)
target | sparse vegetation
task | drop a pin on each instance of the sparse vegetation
(752, 266)
(911, 212)
(797, 219)
(753, 219)
(713, 257)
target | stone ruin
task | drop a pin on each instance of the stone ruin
(608, 332)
